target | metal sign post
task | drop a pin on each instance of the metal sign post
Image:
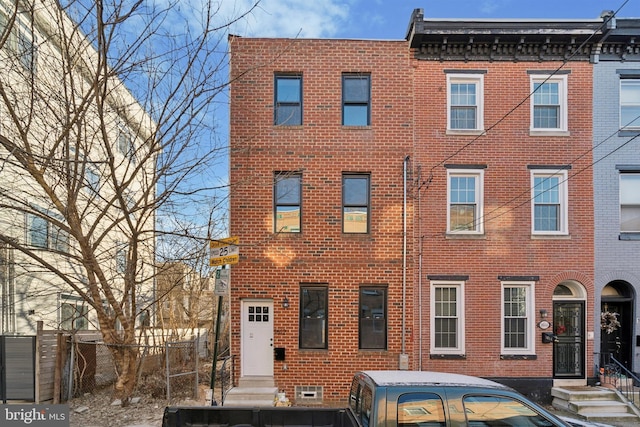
(223, 252)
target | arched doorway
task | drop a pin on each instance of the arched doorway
(616, 301)
(569, 321)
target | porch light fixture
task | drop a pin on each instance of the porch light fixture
(543, 313)
(285, 302)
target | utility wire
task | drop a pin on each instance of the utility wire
(525, 99)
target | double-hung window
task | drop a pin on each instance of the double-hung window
(356, 99)
(549, 202)
(630, 202)
(288, 202)
(465, 109)
(549, 103)
(465, 201)
(373, 317)
(355, 203)
(447, 318)
(517, 318)
(630, 104)
(313, 316)
(288, 100)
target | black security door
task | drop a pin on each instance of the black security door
(618, 342)
(569, 346)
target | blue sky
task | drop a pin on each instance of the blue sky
(388, 19)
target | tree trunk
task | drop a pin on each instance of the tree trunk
(125, 358)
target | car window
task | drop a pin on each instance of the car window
(367, 399)
(420, 410)
(501, 411)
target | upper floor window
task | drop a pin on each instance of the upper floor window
(288, 202)
(549, 202)
(518, 319)
(21, 38)
(356, 99)
(288, 100)
(355, 203)
(373, 318)
(630, 104)
(465, 100)
(42, 233)
(548, 103)
(465, 201)
(447, 318)
(313, 317)
(92, 177)
(126, 146)
(630, 202)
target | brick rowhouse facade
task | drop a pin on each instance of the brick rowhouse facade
(503, 154)
(274, 266)
(472, 298)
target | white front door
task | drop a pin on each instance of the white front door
(257, 338)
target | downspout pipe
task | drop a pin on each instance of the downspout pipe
(404, 252)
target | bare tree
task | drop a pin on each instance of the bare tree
(107, 123)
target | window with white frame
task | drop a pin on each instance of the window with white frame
(447, 318)
(465, 187)
(630, 202)
(630, 104)
(465, 102)
(549, 103)
(517, 318)
(549, 208)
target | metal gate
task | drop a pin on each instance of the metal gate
(17, 368)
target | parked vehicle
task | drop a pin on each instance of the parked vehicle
(390, 399)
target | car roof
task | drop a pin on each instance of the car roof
(413, 378)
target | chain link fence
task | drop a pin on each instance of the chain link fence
(173, 370)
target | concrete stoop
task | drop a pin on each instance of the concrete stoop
(252, 392)
(593, 404)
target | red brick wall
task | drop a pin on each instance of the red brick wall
(408, 118)
(507, 247)
(274, 266)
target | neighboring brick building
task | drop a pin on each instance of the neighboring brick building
(503, 139)
(420, 204)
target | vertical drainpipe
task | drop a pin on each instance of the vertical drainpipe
(419, 215)
(403, 356)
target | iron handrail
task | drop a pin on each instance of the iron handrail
(614, 374)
